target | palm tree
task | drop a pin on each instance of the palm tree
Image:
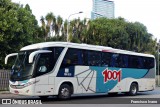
(43, 27)
(84, 30)
(53, 24)
(64, 30)
(49, 17)
(59, 24)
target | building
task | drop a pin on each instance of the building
(102, 8)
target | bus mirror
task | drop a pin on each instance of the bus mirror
(6, 58)
(31, 56)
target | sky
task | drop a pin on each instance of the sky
(143, 11)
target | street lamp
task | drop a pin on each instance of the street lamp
(68, 23)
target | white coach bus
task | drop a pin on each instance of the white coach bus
(63, 69)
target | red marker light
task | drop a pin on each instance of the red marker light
(17, 92)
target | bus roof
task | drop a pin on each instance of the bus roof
(82, 46)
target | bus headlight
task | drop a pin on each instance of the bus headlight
(30, 83)
(24, 85)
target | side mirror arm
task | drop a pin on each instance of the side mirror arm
(10, 55)
(31, 56)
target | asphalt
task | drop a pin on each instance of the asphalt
(6, 94)
(87, 101)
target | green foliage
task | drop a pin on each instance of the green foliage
(116, 33)
(18, 27)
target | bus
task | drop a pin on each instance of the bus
(62, 69)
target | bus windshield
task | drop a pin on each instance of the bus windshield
(21, 69)
(44, 63)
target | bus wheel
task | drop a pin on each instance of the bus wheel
(64, 92)
(133, 89)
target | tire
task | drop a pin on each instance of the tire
(64, 92)
(133, 89)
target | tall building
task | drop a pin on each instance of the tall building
(102, 8)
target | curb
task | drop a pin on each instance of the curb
(4, 92)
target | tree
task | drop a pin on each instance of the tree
(116, 33)
(50, 18)
(43, 27)
(59, 24)
(18, 27)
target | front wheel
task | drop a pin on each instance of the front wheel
(133, 89)
(64, 92)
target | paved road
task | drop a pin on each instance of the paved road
(96, 99)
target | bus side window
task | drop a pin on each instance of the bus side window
(114, 61)
(44, 64)
(106, 59)
(85, 57)
(135, 62)
(72, 57)
(94, 58)
(119, 60)
(125, 61)
(141, 63)
(57, 53)
(148, 63)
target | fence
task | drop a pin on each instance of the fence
(4, 79)
(158, 79)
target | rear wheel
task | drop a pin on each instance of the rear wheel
(133, 89)
(64, 92)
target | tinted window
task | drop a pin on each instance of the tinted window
(72, 57)
(136, 62)
(133, 62)
(57, 52)
(148, 63)
(47, 61)
(94, 58)
(45, 64)
(115, 62)
(81, 57)
(125, 61)
(106, 59)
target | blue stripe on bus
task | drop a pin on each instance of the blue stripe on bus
(69, 73)
(102, 86)
(125, 73)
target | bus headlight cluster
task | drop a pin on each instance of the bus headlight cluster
(30, 83)
(24, 85)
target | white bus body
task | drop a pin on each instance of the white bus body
(61, 68)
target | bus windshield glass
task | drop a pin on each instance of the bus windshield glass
(22, 69)
(44, 63)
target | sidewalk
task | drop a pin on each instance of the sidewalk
(7, 94)
(4, 92)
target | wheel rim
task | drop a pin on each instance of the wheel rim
(65, 92)
(134, 90)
